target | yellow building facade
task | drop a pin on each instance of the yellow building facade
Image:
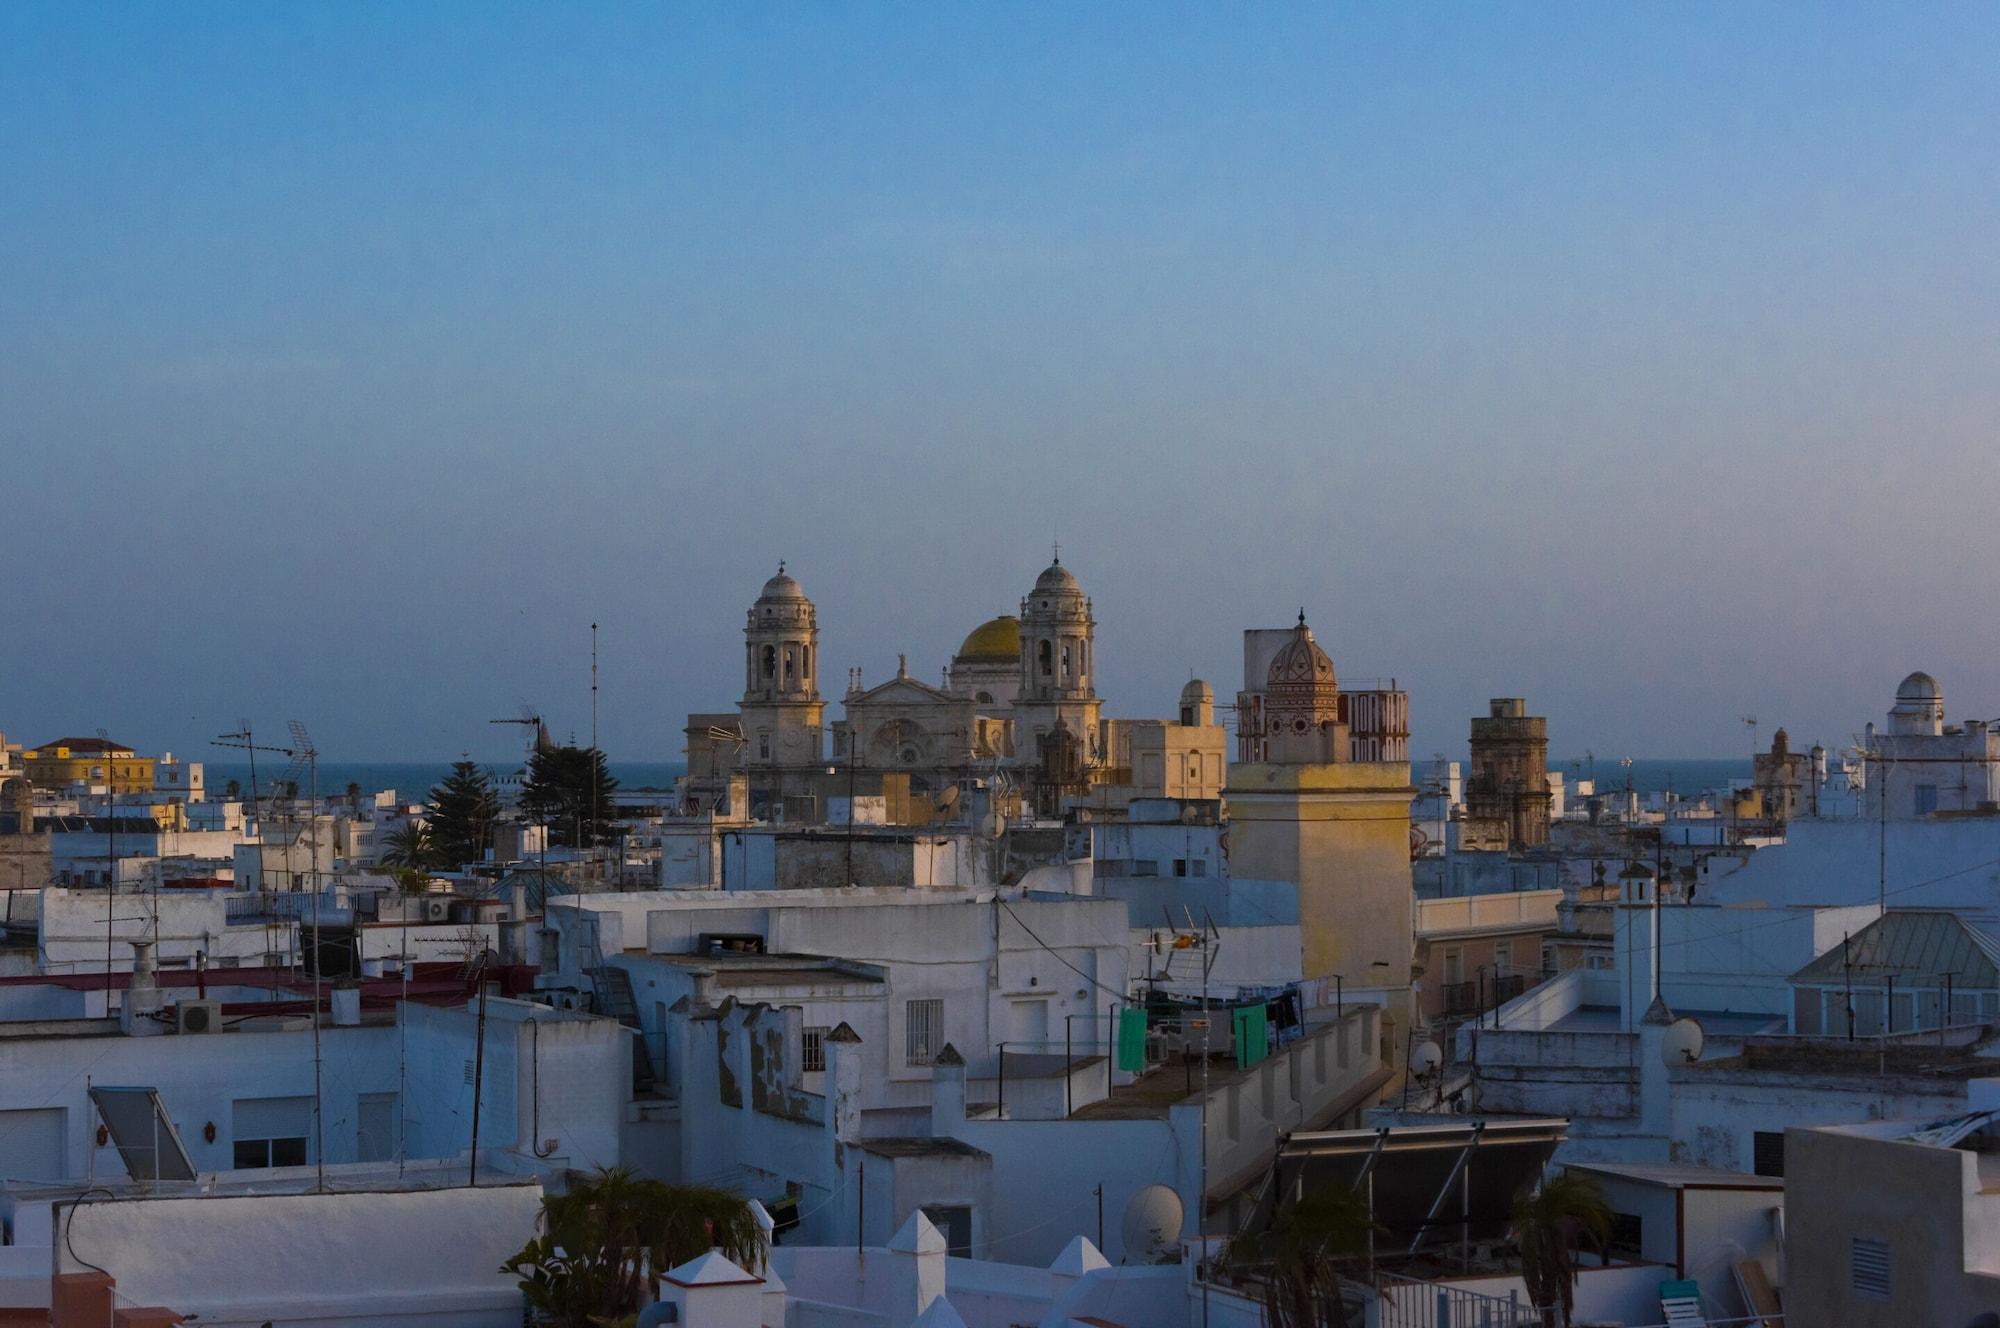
(90, 762)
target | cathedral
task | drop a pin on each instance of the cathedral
(1016, 708)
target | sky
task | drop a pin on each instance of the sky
(1642, 361)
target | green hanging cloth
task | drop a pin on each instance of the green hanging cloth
(1132, 1040)
(1253, 1036)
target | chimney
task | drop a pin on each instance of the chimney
(143, 998)
(947, 1093)
(920, 1252)
(843, 1083)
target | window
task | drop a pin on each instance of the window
(1503, 957)
(954, 1223)
(1926, 799)
(770, 661)
(764, 746)
(923, 1031)
(1454, 964)
(1145, 867)
(271, 1131)
(1180, 866)
(1767, 1150)
(1627, 1238)
(1868, 1267)
(812, 1050)
(1047, 659)
(1066, 667)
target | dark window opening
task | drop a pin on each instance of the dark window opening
(1767, 1148)
(1627, 1238)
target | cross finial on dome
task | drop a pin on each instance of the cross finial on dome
(781, 567)
(1302, 615)
(1055, 547)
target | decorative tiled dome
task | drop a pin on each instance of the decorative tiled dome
(1301, 662)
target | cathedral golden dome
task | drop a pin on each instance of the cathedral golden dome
(995, 639)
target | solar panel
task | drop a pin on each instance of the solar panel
(144, 1133)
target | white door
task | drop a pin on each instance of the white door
(1031, 1026)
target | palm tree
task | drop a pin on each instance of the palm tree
(1548, 1226)
(409, 845)
(1298, 1258)
(610, 1237)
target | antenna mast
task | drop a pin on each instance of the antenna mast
(594, 758)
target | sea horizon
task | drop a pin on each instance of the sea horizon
(412, 780)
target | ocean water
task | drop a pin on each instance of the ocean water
(413, 780)
(1654, 776)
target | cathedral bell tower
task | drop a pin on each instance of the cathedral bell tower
(781, 707)
(1056, 713)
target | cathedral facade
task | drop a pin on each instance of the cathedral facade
(1017, 707)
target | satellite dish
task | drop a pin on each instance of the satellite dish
(995, 824)
(1152, 1225)
(948, 799)
(1426, 1059)
(1682, 1043)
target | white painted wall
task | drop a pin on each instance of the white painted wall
(354, 1260)
(72, 930)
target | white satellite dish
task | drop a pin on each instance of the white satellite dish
(1682, 1043)
(1152, 1225)
(1426, 1059)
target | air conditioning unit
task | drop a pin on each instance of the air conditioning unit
(198, 1017)
(437, 910)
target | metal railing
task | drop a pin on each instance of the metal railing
(1409, 1303)
(1476, 997)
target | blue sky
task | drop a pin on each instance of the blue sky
(354, 358)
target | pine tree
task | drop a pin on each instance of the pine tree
(462, 809)
(569, 789)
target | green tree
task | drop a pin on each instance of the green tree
(462, 809)
(569, 789)
(409, 845)
(607, 1239)
(232, 790)
(1298, 1259)
(1549, 1224)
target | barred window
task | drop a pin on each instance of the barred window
(812, 1049)
(924, 1031)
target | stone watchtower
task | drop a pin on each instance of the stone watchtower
(781, 707)
(1509, 779)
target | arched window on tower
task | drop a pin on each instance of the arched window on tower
(788, 668)
(1048, 655)
(1067, 671)
(805, 661)
(770, 661)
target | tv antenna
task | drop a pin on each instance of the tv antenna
(529, 718)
